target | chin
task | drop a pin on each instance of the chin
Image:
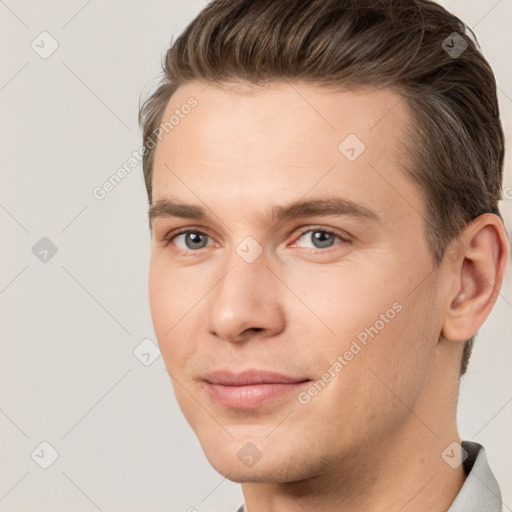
(262, 472)
(263, 461)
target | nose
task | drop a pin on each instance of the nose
(245, 303)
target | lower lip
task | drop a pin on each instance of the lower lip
(248, 397)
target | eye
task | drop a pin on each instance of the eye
(192, 240)
(188, 240)
(320, 238)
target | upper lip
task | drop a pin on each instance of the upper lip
(248, 377)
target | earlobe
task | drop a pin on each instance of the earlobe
(479, 275)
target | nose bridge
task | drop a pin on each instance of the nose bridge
(245, 266)
(245, 296)
(243, 283)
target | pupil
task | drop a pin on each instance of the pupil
(195, 239)
(320, 238)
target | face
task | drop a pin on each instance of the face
(293, 298)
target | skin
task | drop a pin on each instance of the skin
(372, 438)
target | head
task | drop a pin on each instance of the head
(368, 123)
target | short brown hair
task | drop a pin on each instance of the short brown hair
(416, 47)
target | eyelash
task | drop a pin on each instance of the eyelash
(341, 235)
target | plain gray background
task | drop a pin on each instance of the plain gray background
(71, 323)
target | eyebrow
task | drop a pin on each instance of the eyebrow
(314, 207)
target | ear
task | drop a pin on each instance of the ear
(478, 259)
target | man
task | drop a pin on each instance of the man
(323, 179)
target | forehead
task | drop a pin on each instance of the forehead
(243, 144)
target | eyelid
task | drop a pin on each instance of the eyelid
(185, 229)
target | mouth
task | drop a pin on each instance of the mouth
(251, 388)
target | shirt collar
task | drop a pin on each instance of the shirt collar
(480, 491)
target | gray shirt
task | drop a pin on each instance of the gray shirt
(480, 491)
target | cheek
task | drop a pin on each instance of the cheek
(161, 304)
(395, 348)
(366, 399)
(347, 298)
(171, 295)
(171, 306)
(376, 324)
